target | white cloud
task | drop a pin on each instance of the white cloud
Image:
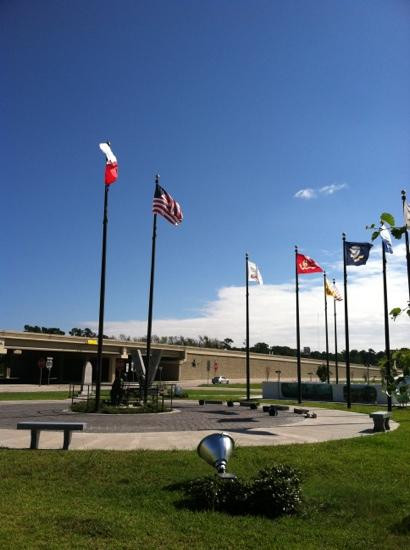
(272, 311)
(333, 188)
(326, 190)
(305, 194)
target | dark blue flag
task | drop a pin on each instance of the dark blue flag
(357, 253)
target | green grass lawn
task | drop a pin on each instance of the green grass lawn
(252, 386)
(221, 393)
(356, 492)
(17, 396)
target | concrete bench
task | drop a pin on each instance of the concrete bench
(36, 427)
(380, 421)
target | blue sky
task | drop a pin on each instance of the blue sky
(238, 105)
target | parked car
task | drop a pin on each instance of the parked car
(220, 380)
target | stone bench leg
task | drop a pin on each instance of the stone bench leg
(379, 424)
(35, 435)
(67, 439)
(386, 423)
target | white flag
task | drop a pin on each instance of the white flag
(385, 235)
(407, 215)
(254, 274)
(106, 149)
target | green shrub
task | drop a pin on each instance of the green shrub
(276, 491)
(89, 407)
(312, 392)
(273, 492)
(361, 393)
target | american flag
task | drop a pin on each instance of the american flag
(165, 205)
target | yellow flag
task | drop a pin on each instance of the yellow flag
(331, 290)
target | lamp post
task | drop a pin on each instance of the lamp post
(278, 372)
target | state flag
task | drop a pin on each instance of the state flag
(254, 274)
(111, 165)
(306, 265)
(386, 239)
(332, 290)
(357, 253)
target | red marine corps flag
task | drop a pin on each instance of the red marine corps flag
(111, 166)
(303, 266)
(307, 265)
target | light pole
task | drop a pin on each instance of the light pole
(278, 372)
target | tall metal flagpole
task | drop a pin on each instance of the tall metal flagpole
(406, 236)
(349, 400)
(299, 373)
(151, 302)
(326, 330)
(336, 360)
(248, 392)
(386, 328)
(102, 301)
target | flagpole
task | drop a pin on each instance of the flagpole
(102, 303)
(349, 401)
(386, 329)
(248, 393)
(299, 374)
(334, 315)
(326, 330)
(151, 302)
(406, 236)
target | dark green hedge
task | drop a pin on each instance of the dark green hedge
(313, 392)
(361, 393)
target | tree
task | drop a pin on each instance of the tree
(260, 347)
(43, 330)
(402, 359)
(321, 372)
(227, 343)
(397, 232)
(84, 332)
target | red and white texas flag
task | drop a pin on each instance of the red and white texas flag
(111, 167)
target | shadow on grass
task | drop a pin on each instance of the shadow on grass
(402, 527)
(90, 527)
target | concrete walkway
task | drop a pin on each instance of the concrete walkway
(329, 425)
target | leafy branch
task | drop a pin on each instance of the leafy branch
(397, 232)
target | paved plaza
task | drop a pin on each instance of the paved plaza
(182, 428)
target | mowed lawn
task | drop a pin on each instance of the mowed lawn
(357, 495)
(33, 396)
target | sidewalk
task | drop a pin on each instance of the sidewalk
(329, 425)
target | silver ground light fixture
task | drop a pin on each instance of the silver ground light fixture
(216, 449)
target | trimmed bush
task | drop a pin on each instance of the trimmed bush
(361, 393)
(275, 491)
(89, 407)
(312, 392)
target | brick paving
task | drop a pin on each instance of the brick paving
(187, 416)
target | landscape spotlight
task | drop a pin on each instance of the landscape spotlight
(216, 449)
